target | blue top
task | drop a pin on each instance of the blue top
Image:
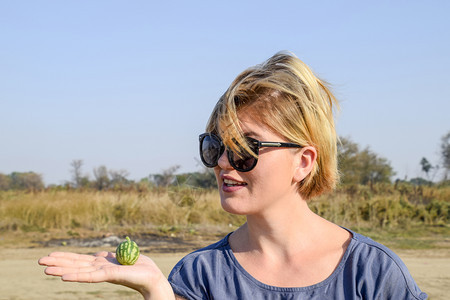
(368, 270)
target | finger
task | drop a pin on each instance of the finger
(103, 254)
(84, 257)
(64, 262)
(58, 271)
(54, 258)
(86, 277)
(73, 256)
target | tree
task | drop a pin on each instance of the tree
(77, 178)
(101, 181)
(119, 178)
(347, 153)
(362, 166)
(420, 181)
(205, 179)
(26, 181)
(5, 182)
(445, 154)
(166, 178)
(426, 166)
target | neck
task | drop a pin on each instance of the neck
(282, 230)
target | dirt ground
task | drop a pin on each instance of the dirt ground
(22, 278)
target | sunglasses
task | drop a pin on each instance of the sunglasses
(212, 148)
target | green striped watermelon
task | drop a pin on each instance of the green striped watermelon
(127, 252)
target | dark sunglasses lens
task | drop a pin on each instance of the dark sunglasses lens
(244, 161)
(243, 164)
(210, 150)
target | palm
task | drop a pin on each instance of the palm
(102, 267)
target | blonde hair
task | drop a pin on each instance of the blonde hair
(285, 95)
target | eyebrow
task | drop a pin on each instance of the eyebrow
(252, 134)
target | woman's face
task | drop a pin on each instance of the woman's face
(270, 184)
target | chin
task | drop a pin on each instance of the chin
(234, 206)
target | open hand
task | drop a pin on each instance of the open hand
(144, 276)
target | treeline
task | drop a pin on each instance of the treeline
(364, 167)
(21, 181)
(105, 179)
(357, 167)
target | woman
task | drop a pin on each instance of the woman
(272, 143)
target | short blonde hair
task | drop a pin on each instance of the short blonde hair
(284, 94)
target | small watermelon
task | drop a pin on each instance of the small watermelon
(127, 252)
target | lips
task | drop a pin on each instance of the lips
(230, 182)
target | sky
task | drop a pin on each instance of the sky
(130, 84)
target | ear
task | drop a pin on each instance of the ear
(305, 160)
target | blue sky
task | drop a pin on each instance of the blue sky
(131, 84)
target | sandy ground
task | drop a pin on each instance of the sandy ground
(22, 278)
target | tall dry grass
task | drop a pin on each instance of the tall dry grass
(107, 210)
(386, 206)
(380, 206)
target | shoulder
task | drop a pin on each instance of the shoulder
(377, 268)
(366, 246)
(194, 273)
(203, 256)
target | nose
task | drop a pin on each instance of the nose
(223, 162)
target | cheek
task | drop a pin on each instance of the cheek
(278, 170)
(217, 174)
